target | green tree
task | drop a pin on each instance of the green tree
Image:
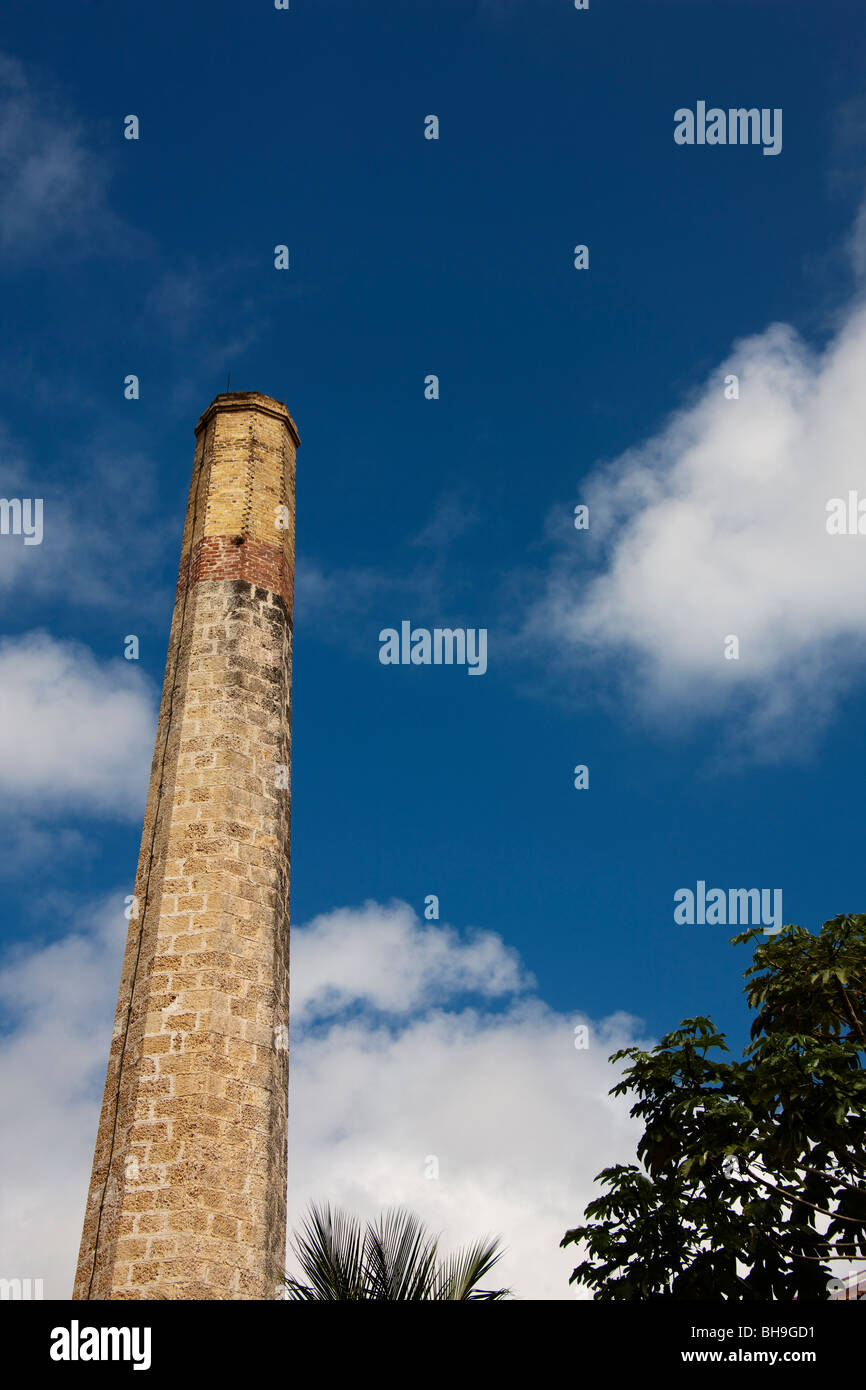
(753, 1172)
(393, 1258)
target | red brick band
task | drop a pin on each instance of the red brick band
(221, 557)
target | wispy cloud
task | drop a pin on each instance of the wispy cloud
(31, 846)
(53, 183)
(453, 515)
(101, 490)
(216, 304)
(348, 605)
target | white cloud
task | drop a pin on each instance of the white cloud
(59, 1001)
(74, 731)
(385, 959)
(717, 526)
(518, 1118)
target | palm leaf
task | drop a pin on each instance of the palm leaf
(400, 1257)
(329, 1252)
(459, 1276)
(396, 1259)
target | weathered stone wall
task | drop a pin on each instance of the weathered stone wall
(188, 1193)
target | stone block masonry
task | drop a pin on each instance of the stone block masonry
(187, 1197)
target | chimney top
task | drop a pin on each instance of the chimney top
(250, 400)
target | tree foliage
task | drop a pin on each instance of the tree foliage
(394, 1258)
(753, 1172)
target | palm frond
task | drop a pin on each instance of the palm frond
(330, 1254)
(400, 1257)
(461, 1273)
(395, 1259)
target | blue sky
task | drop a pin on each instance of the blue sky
(454, 257)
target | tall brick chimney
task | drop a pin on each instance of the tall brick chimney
(188, 1193)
